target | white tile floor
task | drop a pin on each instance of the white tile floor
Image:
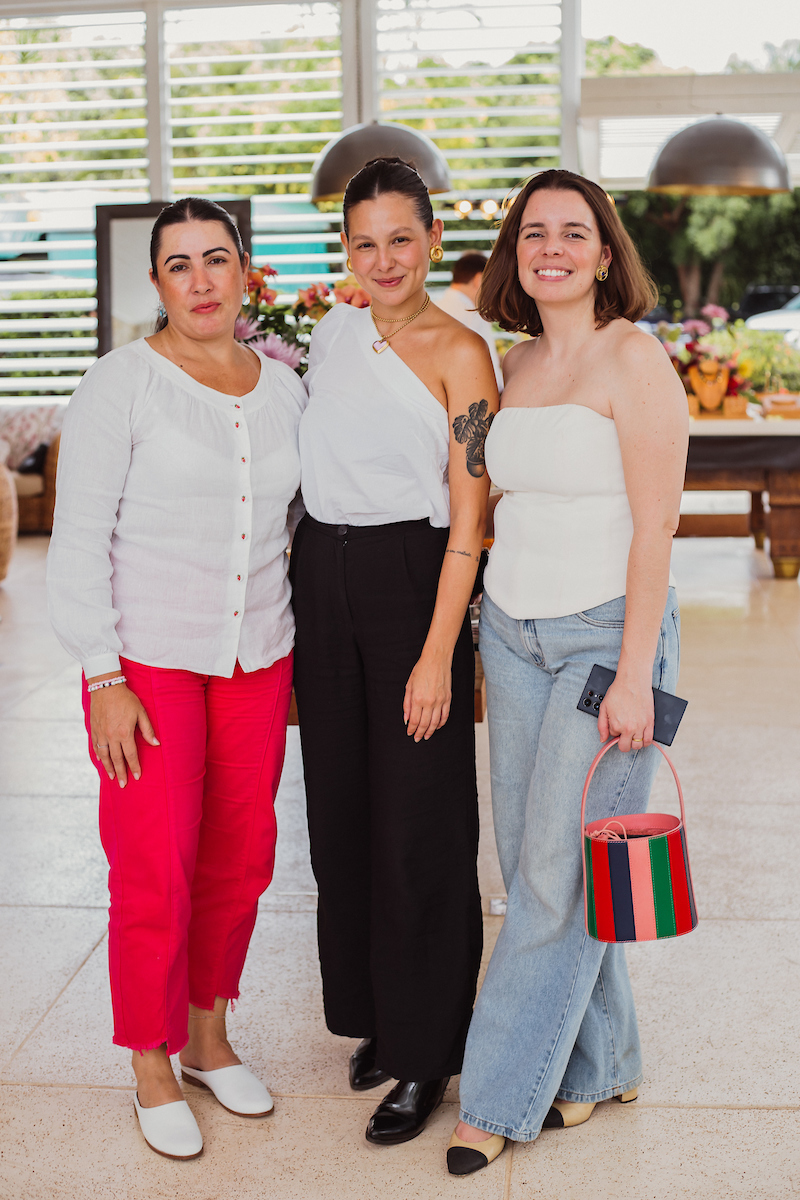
(719, 1114)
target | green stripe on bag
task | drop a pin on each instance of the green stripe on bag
(591, 917)
(662, 887)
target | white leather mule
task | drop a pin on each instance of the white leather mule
(236, 1088)
(170, 1129)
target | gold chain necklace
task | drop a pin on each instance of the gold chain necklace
(380, 345)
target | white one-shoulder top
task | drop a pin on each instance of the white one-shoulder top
(374, 441)
(563, 526)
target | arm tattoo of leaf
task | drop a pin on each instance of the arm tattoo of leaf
(472, 430)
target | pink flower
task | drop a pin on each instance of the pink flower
(275, 347)
(267, 270)
(698, 328)
(245, 328)
(350, 293)
(268, 296)
(714, 312)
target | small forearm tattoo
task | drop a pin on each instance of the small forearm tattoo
(464, 554)
(472, 430)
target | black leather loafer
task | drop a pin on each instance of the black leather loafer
(404, 1112)
(363, 1072)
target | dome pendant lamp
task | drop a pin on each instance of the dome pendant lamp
(356, 146)
(719, 157)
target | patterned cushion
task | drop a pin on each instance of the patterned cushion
(26, 426)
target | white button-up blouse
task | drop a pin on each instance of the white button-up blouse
(170, 532)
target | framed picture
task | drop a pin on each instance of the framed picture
(127, 302)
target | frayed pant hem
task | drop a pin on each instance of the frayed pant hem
(172, 1048)
(606, 1094)
(210, 1007)
(514, 1135)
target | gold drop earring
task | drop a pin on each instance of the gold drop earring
(350, 265)
(601, 274)
(436, 254)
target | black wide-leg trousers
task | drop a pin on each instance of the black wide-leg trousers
(393, 822)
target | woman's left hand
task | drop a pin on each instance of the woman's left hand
(627, 712)
(426, 705)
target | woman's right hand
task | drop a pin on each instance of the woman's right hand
(115, 714)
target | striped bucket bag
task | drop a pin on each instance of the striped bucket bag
(637, 883)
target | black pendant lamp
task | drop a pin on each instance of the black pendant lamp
(719, 157)
(356, 146)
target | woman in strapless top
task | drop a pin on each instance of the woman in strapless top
(589, 449)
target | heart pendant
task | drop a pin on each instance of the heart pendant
(379, 346)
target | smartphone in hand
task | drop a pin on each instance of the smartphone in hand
(669, 709)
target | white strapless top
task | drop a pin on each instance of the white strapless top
(563, 526)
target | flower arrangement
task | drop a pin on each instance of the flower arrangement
(704, 361)
(282, 329)
(697, 353)
(764, 356)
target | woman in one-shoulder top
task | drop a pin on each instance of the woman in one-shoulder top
(589, 449)
(383, 566)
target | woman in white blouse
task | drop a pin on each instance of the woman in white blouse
(167, 581)
(394, 483)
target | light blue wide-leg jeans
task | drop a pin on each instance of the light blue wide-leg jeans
(555, 1016)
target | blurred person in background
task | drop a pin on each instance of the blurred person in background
(460, 298)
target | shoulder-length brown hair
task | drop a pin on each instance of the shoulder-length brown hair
(629, 291)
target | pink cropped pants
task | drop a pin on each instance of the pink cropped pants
(191, 844)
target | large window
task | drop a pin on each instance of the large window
(248, 116)
(482, 80)
(74, 134)
(237, 100)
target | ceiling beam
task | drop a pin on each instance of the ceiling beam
(689, 95)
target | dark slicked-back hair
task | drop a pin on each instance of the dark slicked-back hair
(628, 291)
(382, 175)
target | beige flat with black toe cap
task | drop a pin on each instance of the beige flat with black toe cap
(464, 1158)
(565, 1114)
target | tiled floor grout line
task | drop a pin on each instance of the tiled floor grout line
(297, 912)
(56, 999)
(61, 907)
(119, 1087)
(509, 1169)
(104, 907)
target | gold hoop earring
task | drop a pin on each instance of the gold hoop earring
(350, 265)
(437, 254)
(601, 274)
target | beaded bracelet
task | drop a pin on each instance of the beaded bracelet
(93, 687)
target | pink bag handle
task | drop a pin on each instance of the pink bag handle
(604, 750)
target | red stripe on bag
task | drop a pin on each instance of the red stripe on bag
(680, 889)
(603, 900)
